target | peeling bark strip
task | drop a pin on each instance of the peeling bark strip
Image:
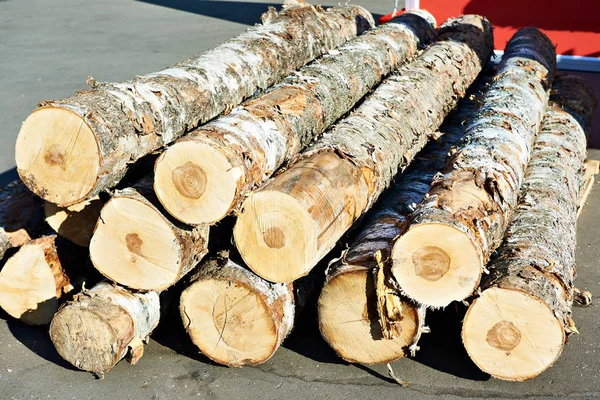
(101, 325)
(137, 244)
(517, 328)
(348, 319)
(209, 172)
(71, 150)
(21, 216)
(235, 317)
(451, 234)
(35, 279)
(291, 223)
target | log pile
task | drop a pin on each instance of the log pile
(450, 179)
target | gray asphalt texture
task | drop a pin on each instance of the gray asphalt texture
(47, 49)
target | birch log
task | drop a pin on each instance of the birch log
(70, 150)
(233, 316)
(348, 318)
(37, 277)
(519, 324)
(137, 244)
(102, 325)
(291, 223)
(75, 223)
(451, 234)
(209, 172)
(21, 216)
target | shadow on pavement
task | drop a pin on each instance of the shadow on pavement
(10, 175)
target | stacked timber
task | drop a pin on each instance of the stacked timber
(519, 323)
(287, 226)
(450, 236)
(70, 150)
(348, 316)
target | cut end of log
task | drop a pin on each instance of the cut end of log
(84, 337)
(512, 335)
(436, 264)
(57, 155)
(274, 234)
(75, 223)
(196, 183)
(229, 322)
(134, 245)
(27, 286)
(349, 322)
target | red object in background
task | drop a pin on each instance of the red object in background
(573, 26)
(390, 16)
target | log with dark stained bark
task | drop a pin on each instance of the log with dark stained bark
(138, 245)
(75, 223)
(209, 172)
(21, 216)
(37, 277)
(285, 228)
(348, 318)
(104, 324)
(449, 238)
(519, 324)
(71, 150)
(235, 317)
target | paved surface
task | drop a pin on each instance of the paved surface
(47, 48)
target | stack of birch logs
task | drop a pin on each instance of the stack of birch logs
(445, 177)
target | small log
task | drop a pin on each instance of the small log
(209, 172)
(449, 238)
(285, 228)
(21, 216)
(70, 150)
(519, 324)
(37, 277)
(75, 223)
(235, 317)
(138, 245)
(348, 319)
(101, 325)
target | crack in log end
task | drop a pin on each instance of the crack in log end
(55, 156)
(134, 244)
(189, 180)
(504, 335)
(274, 238)
(431, 263)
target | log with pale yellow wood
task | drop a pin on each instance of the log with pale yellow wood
(70, 150)
(39, 275)
(104, 324)
(235, 317)
(138, 245)
(450, 236)
(75, 223)
(208, 173)
(517, 327)
(286, 227)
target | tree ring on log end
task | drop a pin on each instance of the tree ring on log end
(27, 287)
(196, 183)
(135, 246)
(230, 322)
(57, 156)
(511, 334)
(436, 264)
(274, 235)
(349, 323)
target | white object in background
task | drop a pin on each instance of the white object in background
(410, 5)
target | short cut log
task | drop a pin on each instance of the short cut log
(138, 245)
(104, 324)
(519, 324)
(75, 223)
(208, 173)
(286, 227)
(452, 233)
(70, 150)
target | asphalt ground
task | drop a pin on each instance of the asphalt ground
(47, 49)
